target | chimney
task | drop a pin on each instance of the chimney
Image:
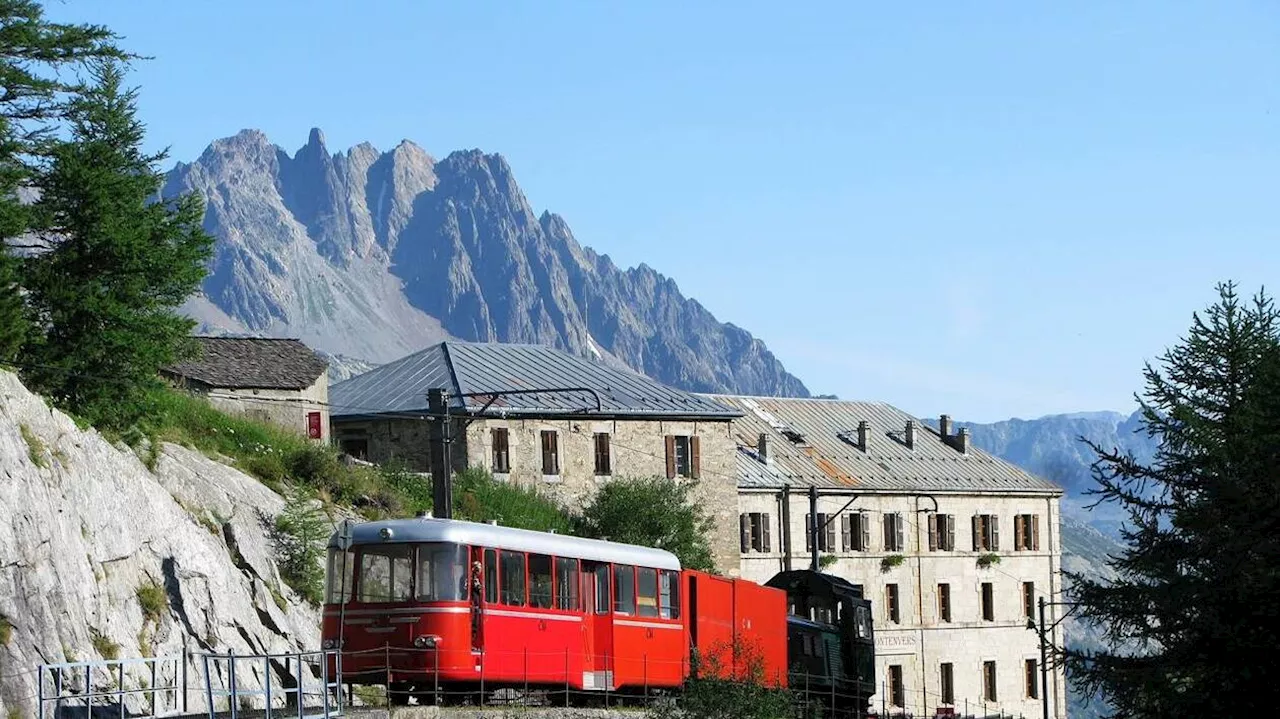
(864, 432)
(911, 434)
(944, 426)
(962, 440)
(762, 448)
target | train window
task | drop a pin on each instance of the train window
(647, 591)
(386, 574)
(442, 572)
(567, 584)
(490, 575)
(342, 569)
(540, 581)
(624, 589)
(669, 589)
(602, 588)
(513, 579)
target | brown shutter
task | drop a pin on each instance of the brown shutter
(764, 532)
(1035, 532)
(1018, 543)
(744, 532)
(695, 457)
(865, 522)
(951, 532)
(977, 534)
(898, 528)
(671, 456)
(933, 532)
(845, 538)
(808, 532)
(831, 533)
(995, 533)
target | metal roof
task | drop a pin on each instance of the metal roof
(465, 368)
(497, 537)
(251, 363)
(815, 442)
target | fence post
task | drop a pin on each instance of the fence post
(324, 681)
(183, 671)
(524, 698)
(153, 662)
(231, 676)
(40, 693)
(435, 690)
(646, 679)
(208, 685)
(566, 678)
(386, 665)
(302, 682)
(266, 684)
(483, 665)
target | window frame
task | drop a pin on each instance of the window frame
(549, 444)
(990, 684)
(500, 459)
(602, 468)
(944, 602)
(947, 682)
(1031, 670)
(893, 603)
(988, 601)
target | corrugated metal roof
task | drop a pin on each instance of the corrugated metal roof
(815, 442)
(469, 368)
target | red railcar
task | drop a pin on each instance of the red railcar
(436, 607)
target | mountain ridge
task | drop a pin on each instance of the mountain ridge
(374, 255)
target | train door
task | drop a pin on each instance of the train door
(475, 596)
(597, 635)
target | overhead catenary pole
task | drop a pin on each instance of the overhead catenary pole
(1044, 663)
(438, 440)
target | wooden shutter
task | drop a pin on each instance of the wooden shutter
(830, 533)
(977, 534)
(808, 532)
(1018, 543)
(845, 537)
(744, 532)
(671, 456)
(695, 457)
(933, 532)
(951, 532)
(995, 532)
(1035, 532)
(865, 522)
(764, 532)
(897, 532)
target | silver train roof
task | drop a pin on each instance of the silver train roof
(499, 537)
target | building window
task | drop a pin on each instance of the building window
(989, 681)
(683, 456)
(826, 533)
(501, 450)
(1033, 686)
(988, 602)
(897, 692)
(1026, 533)
(986, 533)
(942, 533)
(1029, 599)
(893, 532)
(891, 603)
(855, 532)
(603, 464)
(755, 531)
(355, 447)
(550, 452)
(947, 682)
(944, 602)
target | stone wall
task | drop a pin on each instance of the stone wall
(285, 408)
(921, 642)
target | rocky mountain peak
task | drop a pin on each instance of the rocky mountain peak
(373, 255)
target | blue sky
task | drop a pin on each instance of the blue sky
(986, 209)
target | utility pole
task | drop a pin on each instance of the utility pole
(1044, 663)
(438, 431)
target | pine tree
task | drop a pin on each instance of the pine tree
(32, 97)
(1191, 619)
(121, 263)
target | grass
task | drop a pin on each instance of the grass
(15, 713)
(6, 631)
(35, 446)
(154, 601)
(103, 645)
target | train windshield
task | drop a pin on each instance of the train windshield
(383, 573)
(442, 572)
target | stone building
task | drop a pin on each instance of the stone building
(600, 422)
(281, 381)
(953, 546)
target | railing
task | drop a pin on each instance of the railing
(302, 700)
(103, 687)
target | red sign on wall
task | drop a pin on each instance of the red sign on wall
(313, 425)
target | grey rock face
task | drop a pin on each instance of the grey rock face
(84, 525)
(375, 255)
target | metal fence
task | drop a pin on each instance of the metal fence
(304, 686)
(146, 686)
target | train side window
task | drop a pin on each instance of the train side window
(513, 579)
(567, 584)
(341, 576)
(669, 589)
(490, 575)
(624, 589)
(540, 581)
(386, 574)
(602, 588)
(647, 591)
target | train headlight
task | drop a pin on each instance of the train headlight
(427, 641)
(329, 644)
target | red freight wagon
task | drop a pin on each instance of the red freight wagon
(434, 606)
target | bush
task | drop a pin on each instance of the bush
(478, 497)
(718, 690)
(6, 631)
(153, 600)
(301, 532)
(652, 512)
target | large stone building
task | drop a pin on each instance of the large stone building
(599, 422)
(953, 546)
(281, 381)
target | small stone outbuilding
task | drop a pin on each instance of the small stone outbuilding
(281, 381)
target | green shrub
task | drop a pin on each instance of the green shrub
(827, 560)
(6, 631)
(652, 512)
(478, 497)
(35, 447)
(103, 645)
(301, 533)
(154, 601)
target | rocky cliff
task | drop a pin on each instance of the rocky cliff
(100, 555)
(375, 254)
